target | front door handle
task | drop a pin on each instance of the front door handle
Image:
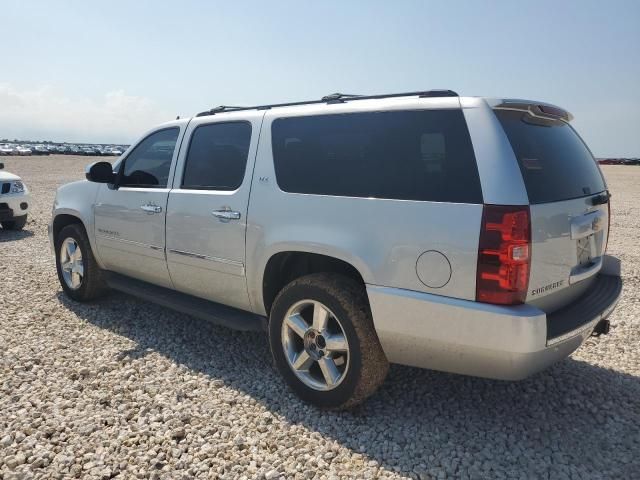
(151, 209)
(226, 214)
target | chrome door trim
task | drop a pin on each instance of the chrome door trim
(130, 242)
(200, 256)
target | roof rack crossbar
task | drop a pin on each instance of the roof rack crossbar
(333, 98)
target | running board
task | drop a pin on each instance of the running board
(197, 307)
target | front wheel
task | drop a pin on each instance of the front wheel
(78, 272)
(324, 343)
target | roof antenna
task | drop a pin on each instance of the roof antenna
(178, 117)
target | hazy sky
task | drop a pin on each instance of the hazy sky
(107, 71)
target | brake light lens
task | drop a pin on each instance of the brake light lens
(504, 255)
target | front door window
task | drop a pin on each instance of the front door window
(148, 165)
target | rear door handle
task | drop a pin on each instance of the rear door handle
(226, 214)
(151, 209)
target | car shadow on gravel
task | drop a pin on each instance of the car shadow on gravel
(575, 417)
(13, 235)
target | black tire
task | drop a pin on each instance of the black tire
(93, 285)
(347, 300)
(17, 223)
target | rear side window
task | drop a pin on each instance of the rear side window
(555, 163)
(406, 155)
(217, 156)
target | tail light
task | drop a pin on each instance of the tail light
(504, 255)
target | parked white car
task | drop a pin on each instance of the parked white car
(7, 149)
(462, 234)
(14, 201)
(21, 150)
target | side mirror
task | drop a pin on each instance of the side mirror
(100, 172)
(1, 166)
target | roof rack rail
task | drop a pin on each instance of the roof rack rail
(333, 98)
(438, 93)
(222, 108)
(338, 97)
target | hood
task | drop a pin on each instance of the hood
(73, 186)
(6, 176)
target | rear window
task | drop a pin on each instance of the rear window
(555, 163)
(408, 155)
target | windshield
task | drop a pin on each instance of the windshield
(554, 161)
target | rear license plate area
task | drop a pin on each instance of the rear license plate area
(583, 246)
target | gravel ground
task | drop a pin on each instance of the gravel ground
(126, 389)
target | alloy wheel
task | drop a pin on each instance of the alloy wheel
(71, 263)
(315, 345)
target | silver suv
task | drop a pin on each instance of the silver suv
(461, 234)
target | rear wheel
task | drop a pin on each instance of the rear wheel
(17, 223)
(324, 343)
(78, 272)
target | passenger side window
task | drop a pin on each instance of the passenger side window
(217, 156)
(149, 163)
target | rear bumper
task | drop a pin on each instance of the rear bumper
(492, 341)
(601, 298)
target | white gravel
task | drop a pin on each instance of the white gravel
(126, 389)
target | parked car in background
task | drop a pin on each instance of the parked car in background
(462, 234)
(7, 149)
(22, 150)
(63, 149)
(619, 161)
(40, 150)
(14, 201)
(87, 151)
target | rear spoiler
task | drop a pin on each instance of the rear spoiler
(537, 109)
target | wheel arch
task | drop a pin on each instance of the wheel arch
(285, 266)
(62, 218)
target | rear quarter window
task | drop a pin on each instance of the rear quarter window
(423, 155)
(555, 163)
